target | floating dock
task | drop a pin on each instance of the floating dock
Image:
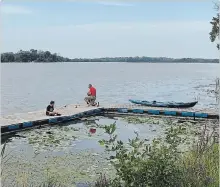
(161, 111)
(18, 122)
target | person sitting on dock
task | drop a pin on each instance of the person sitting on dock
(91, 96)
(50, 110)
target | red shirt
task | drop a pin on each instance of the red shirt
(92, 91)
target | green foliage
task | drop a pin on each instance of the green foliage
(214, 34)
(32, 56)
(201, 163)
(141, 120)
(161, 163)
(142, 164)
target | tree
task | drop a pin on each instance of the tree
(7, 57)
(33, 55)
(214, 34)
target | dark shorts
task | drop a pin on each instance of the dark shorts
(53, 114)
(90, 98)
(49, 114)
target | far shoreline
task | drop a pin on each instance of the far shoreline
(112, 62)
(39, 56)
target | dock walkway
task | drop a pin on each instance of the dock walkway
(17, 122)
(21, 121)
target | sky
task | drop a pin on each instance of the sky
(106, 28)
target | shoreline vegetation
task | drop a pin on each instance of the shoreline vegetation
(187, 155)
(39, 56)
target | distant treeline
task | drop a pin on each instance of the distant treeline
(32, 56)
(46, 56)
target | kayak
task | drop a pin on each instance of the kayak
(164, 104)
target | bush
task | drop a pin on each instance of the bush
(162, 164)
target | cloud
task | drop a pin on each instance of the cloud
(109, 3)
(14, 9)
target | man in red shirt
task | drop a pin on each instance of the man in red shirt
(90, 99)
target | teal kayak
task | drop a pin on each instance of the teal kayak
(164, 104)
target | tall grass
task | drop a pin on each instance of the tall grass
(201, 163)
(217, 85)
(217, 89)
(102, 181)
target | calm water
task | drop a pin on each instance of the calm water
(29, 87)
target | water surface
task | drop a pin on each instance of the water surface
(29, 87)
(69, 150)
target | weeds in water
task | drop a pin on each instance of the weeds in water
(4, 157)
(23, 177)
(102, 181)
(141, 120)
(217, 89)
(50, 184)
(201, 163)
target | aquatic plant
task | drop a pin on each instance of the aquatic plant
(5, 157)
(102, 181)
(2, 156)
(57, 137)
(141, 120)
(217, 89)
(160, 121)
(50, 184)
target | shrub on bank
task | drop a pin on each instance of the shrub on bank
(161, 163)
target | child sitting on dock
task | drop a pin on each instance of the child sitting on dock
(50, 110)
